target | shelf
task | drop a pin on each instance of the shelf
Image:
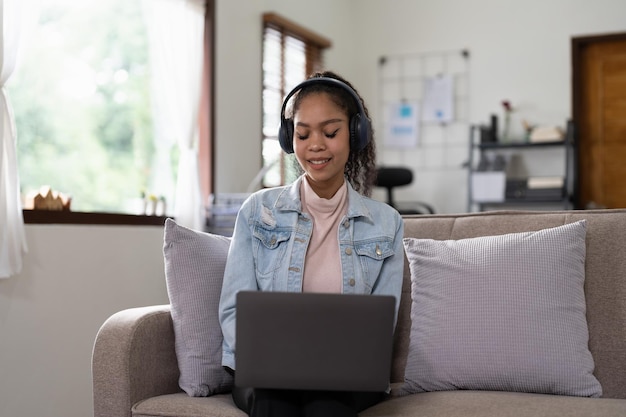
(522, 195)
(513, 145)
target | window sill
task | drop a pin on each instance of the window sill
(74, 217)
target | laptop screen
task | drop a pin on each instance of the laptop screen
(314, 341)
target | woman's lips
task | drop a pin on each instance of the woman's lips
(319, 161)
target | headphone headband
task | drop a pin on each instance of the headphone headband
(359, 124)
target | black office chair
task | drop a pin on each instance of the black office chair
(390, 177)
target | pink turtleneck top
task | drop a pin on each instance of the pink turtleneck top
(322, 266)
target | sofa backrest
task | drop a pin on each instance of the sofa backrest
(605, 278)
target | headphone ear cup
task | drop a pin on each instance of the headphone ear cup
(355, 130)
(285, 135)
(360, 132)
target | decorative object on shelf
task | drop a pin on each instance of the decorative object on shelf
(546, 134)
(153, 205)
(528, 128)
(506, 128)
(488, 186)
(47, 199)
(488, 181)
(489, 134)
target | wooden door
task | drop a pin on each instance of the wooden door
(599, 113)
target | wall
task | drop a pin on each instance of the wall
(520, 51)
(74, 278)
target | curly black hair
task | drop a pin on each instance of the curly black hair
(360, 169)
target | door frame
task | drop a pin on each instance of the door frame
(578, 43)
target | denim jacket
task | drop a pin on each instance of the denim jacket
(270, 242)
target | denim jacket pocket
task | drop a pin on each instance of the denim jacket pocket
(271, 246)
(372, 255)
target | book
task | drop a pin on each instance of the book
(545, 182)
(535, 189)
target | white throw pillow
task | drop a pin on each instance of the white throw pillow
(194, 270)
(504, 313)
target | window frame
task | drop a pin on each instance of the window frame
(315, 45)
(206, 159)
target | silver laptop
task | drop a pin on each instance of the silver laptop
(314, 341)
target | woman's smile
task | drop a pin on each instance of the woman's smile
(319, 162)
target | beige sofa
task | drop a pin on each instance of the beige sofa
(135, 368)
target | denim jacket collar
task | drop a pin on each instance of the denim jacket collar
(289, 200)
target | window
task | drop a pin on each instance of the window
(290, 53)
(82, 101)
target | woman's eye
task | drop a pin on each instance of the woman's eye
(332, 134)
(302, 137)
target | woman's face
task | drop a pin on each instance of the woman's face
(321, 142)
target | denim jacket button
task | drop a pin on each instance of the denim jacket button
(352, 282)
(273, 240)
(346, 224)
(348, 251)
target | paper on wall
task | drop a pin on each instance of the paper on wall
(402, 125)
(438, 100)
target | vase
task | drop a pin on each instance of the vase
(506, 128)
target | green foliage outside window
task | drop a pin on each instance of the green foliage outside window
(80, 96)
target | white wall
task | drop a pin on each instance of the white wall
(74, 278)
(520, 51)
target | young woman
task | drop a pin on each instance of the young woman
(320, 234)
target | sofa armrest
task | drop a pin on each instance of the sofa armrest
(133, 359)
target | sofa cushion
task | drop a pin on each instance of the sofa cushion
(500, 313)
(180, 405)
(433, 404)
(462, 403)
(194, 269)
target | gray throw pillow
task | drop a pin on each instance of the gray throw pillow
(194, 269)
(502, 313)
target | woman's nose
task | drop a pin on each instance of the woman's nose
(317, 142)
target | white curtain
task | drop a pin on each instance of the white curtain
(12, 236)
(176, 33)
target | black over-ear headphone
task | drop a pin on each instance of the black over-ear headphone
(360, 127)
